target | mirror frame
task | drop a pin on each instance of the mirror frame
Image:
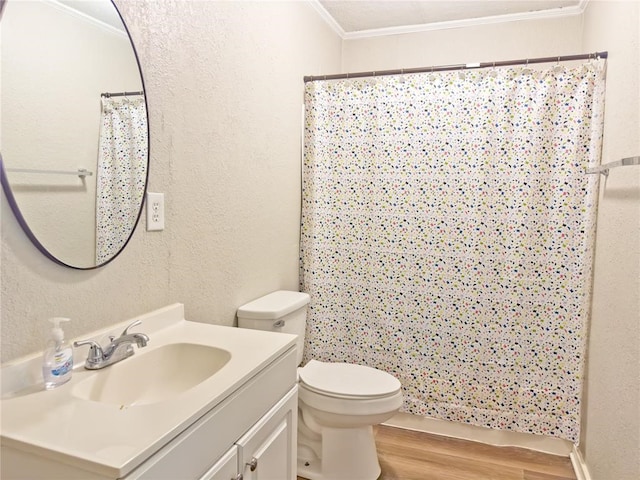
(6, 187)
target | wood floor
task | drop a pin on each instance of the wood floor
(410, 455)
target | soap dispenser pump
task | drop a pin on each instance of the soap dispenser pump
(57, 361)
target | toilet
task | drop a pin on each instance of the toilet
(338, 402)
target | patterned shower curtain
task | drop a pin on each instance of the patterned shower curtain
(122, 170)
(447, 237)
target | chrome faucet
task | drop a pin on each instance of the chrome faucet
(118, 349)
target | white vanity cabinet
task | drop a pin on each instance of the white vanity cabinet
(237, 440)
(266, 451)
(239, 422)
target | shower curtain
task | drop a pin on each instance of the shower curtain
(447, 237)
(121, 173)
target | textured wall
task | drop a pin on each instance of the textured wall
(612, 415)
(224, 84)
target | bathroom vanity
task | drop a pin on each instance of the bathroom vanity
(199, 402)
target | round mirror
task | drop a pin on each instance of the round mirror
(74, 128)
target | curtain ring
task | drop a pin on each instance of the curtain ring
(493, 72)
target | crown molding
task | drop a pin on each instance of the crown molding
(512, 17)
(326, 16)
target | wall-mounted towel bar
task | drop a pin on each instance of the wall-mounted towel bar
(604, 169)
(81, 172)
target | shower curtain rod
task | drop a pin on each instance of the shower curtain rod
(462, 66)
(120, 94)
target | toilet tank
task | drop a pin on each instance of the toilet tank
(282, 311)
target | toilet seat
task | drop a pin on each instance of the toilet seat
(347, 381)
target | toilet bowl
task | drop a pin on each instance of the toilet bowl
(338, 402)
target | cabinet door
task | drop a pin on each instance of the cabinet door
(268, 450)
(224, 469)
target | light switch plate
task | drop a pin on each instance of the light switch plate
(155, 211)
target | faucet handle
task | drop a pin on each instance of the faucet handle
(95, 351)
(126, 330)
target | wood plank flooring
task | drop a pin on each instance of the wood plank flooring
(409, 455)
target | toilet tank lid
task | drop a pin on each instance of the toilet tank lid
(274, 305)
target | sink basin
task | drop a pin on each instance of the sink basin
(153, 376)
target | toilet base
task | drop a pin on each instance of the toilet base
(346, 454)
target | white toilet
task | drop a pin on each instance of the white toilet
(338, 402)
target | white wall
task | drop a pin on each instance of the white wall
(224, 85)
(611, 421)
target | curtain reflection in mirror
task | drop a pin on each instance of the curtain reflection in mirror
(121, 175)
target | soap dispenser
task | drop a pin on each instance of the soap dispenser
(57, 361)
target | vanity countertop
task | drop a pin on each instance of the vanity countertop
(111, 439)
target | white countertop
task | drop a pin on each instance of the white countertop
(112, 439)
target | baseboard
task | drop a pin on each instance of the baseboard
(579, 465)
(501, 438)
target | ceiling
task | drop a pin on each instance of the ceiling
(377, 17)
